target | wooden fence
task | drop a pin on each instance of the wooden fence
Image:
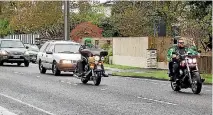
(205, 64)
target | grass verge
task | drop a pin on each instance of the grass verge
(157, 75)
(120, 67)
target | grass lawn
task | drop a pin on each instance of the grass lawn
(157, 75)
(120, 67)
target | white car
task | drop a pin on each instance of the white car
(58, 56)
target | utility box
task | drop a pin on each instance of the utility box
(151, 58)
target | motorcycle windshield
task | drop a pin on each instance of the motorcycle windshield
(97, 51)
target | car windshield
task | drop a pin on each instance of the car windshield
(67, 48)
(33, 48)
(11, 44)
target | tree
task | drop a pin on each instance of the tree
(38, 16)
(132, 18)
(86, 29)
(109, 29)
(87, 13)
(4, 28)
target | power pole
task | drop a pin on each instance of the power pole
(66, 21)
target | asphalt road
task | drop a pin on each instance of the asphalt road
(24, 91)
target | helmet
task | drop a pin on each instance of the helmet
(88, 42)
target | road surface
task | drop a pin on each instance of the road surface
(24, 91)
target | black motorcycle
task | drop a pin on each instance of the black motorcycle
(189, 76)
(94, 65)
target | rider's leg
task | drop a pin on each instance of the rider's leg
(176, 70)
(104, 74)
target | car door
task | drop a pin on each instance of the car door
(49, 57)
(44, 56)
(40, 55)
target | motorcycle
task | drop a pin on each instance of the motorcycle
(94, 66)
(189, 74)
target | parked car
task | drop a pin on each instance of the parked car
(33, 51)
(13, 51)
(58, 56)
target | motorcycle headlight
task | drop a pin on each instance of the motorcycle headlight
(26, 53)
(194, 60)
(190, 60)
(66, 61)
(97, 58)
(3, 52)
(102, 58)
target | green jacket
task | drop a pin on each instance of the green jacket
(192, 50)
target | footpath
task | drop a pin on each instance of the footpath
(134, 72)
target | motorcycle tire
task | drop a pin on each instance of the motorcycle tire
(174, 86)
(97, 79)
(196, 85)
(84, 80)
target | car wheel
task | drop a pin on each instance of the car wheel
(1, 63)
(19, 64)
(41, 68)
(55, 70)
(26, 64)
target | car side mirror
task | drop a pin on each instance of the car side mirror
(27, 47)
(49, 52)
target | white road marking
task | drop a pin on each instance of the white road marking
(69, 82)
(39, 109)
(4, 111)
(139, 97)
(103, 89)
(159, 101)
(62, 81)
(37, 76)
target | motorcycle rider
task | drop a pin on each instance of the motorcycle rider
(173, 56)
(82, 63)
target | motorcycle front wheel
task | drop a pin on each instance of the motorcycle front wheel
(97, 78)
(174, 86)
(84, 80)
(196, 83)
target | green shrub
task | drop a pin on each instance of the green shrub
(109, 49)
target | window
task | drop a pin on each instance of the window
(42, 49)
(96, 42)
(108, 42)
(48, 47)
(66, 48)
(51, 48)
(12, 44)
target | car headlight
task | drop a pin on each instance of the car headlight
(66, 61)
(190, 60)
(194, 60)
(26, 53)
(102, 58)
(97, 58)
(3, 52)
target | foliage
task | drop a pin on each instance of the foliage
(86, 29)
(130, 20)
(109, 29)
(87, 13)
(4, 27)
(37, 16)
(108, 48)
